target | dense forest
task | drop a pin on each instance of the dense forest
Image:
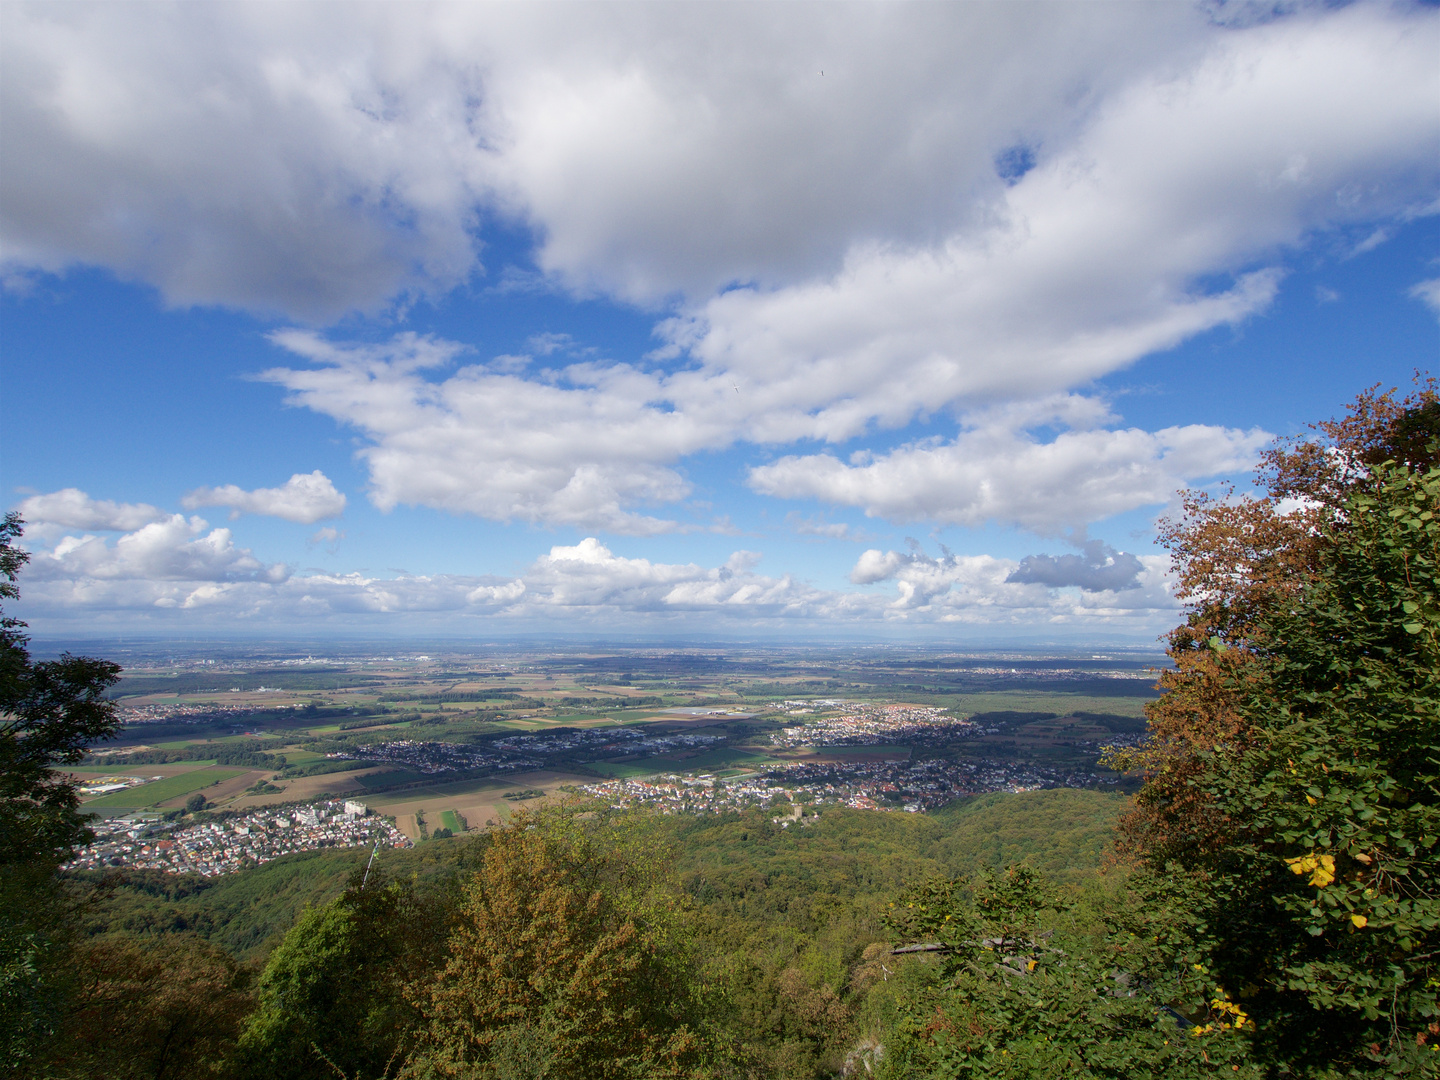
(1266, 906)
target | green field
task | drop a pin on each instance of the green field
(624, 770)
(158, 791)
(451, 820)
(301, 757)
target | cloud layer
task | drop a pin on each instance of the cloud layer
(178, 569)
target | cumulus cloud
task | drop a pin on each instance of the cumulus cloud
(305, 498)
(998, 472)
(71, 508)
(173, 550)
(1098, 568)
(582, 450)
(317, 159)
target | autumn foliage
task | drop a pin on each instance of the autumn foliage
(565, 961)
(1238, 561)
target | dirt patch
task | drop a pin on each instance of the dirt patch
(304, 788)
(480, 801)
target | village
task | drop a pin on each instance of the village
(913, 786)
(223, 846)
(869, 725)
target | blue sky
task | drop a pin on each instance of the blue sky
(487, 319)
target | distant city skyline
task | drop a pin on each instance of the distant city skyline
(624, 320)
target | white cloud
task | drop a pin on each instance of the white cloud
(312, 158)
(589, 577)
(581, 450)
(1090, 260)
(71, 508)
(172, 550)
(1428, 293)
(997, 473)
(305, 498)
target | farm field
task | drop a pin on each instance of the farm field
(479, 801)
(158, 791)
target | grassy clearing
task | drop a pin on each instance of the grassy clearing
(714, 759)
(624, 770)
(157, 791)
(451, 820)
(301, 757)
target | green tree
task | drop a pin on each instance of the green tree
(166, 1008)
(50, 712)
(1285, 902)
(332, 995)
(1027, 981)
(1325, 903)
(1292, 771)
(565, 962)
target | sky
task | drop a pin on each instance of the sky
(790, 322)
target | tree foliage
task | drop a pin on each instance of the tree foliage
(564, 962)
(1029, 981)
(49, 713)
(1292, 769)
(333, 993)
(1325, 897)
(167, 1009)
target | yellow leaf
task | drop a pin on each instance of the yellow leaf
(1359, 920)
(1311, 799)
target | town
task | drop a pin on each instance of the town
(234, 843)
(914, 786)
(870, 725)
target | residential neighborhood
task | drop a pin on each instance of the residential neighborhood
(223, 846)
